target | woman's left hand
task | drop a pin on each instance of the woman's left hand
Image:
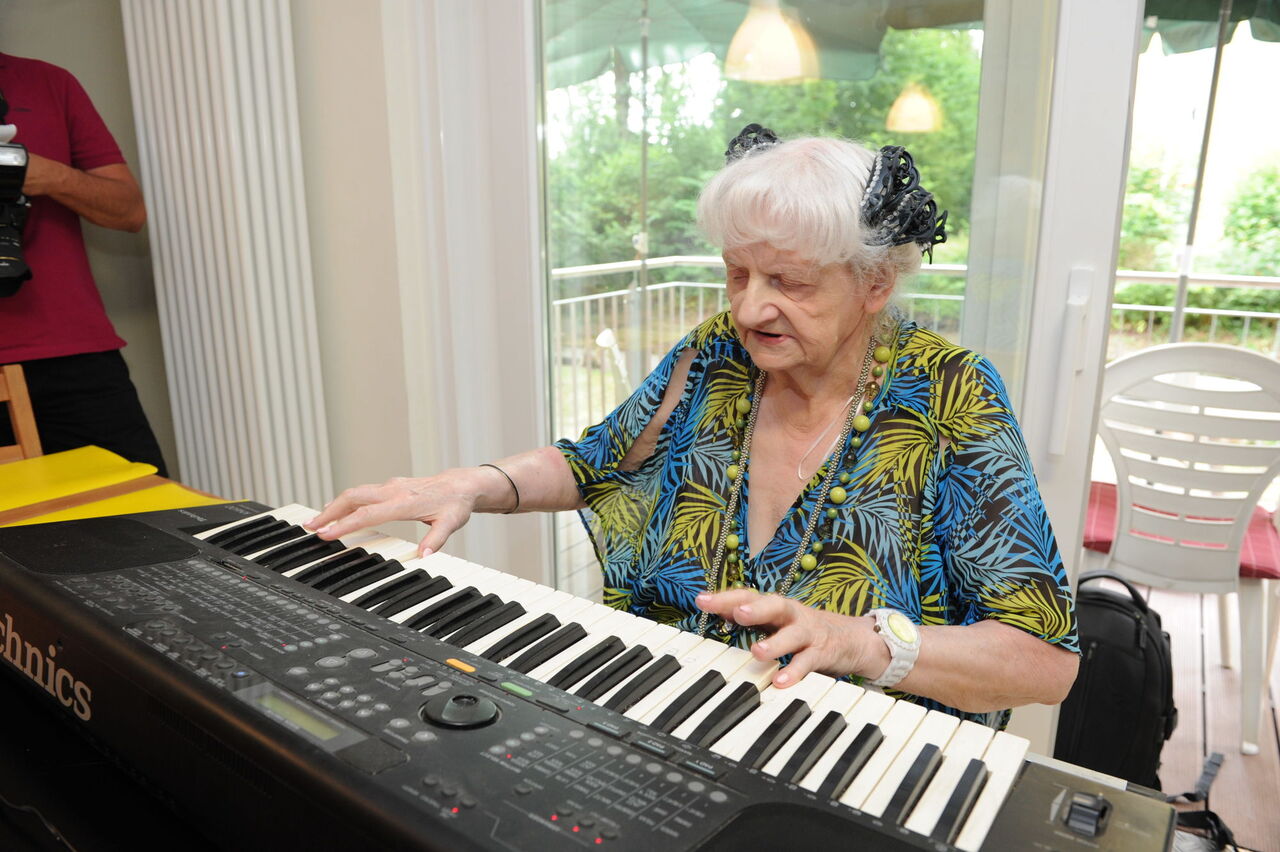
(819, 641)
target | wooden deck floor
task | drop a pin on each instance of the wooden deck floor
(1247, 791)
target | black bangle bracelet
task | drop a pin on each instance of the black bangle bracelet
(509, 479)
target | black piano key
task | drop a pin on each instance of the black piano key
(958, 806)
(464, 615)
(266, 540)
(778, 732)
(373, 597)
(356, 577)
(333, 563)
(522, 638)
(243, 528)
(913, 784)
(615, 673)
(548, 648)
(662, 669)
(297, 553)
(744, 698)
(433, 612)
(688, 701)
(486, 624)
(814, 746)
(233, 538)
(590, 660)
(851, 762)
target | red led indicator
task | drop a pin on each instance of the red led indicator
(555, 817)
(455, 810)
(508, 757)
(599, 840)
(575, 828)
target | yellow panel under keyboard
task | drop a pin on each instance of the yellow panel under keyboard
(23, 483)
(168, 496)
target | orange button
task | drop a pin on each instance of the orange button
(459, 665)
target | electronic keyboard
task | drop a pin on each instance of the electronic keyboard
(275, 688)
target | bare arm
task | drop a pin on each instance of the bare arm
(447, 500)
(647, 440)
(976, 668)
(107, 196)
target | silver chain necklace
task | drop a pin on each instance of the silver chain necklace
(735, 488)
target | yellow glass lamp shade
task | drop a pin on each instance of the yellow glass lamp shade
(915, 111)
(771, 46)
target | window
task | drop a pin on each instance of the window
(1200, 212)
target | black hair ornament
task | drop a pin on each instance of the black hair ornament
(896, 208)
(752, 138)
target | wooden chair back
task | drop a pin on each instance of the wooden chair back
(13, 390)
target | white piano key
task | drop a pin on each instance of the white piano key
(936, 728)
(536, 603)
(773, 701)
(588, 619)
(871, 709)
(358, 539)
(564, 606)
(468, 573)
(675, 645)
(693, 665)
(406, 614)
(897, 727)
(620, 625)
(1004, 758)
(746, 669)
(841, 698)
(969, 741)
(294, 513)
(406, 567)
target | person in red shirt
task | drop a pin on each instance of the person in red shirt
(55, 325)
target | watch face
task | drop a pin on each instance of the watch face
(902, 627)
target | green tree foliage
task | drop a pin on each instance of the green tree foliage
(1153, 211)
(1252, 225)
(594, 180)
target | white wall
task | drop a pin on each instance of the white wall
(86, 38)
(346, 166)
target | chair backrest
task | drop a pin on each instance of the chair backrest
(13, 390)
(1194, 432)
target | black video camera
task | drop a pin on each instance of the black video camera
(14, 208)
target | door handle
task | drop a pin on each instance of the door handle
(1071, 363)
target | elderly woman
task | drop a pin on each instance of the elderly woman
(807, 475)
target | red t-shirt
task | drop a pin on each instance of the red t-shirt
(59, 310)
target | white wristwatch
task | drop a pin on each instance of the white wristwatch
(903, 639)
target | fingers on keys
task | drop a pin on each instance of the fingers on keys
(335, 518)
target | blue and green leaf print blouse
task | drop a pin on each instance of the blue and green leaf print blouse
(943, 520)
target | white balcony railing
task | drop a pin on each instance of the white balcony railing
(605, 342)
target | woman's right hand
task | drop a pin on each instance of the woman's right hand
(444, 501)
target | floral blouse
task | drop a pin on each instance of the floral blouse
(942, 520)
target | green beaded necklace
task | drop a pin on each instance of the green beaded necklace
(806, 558)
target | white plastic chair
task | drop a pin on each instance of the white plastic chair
(1193, 430)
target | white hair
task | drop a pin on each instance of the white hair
(802, 195)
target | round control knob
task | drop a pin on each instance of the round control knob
(460, 710)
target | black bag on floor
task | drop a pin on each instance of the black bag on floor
(1120, 710)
